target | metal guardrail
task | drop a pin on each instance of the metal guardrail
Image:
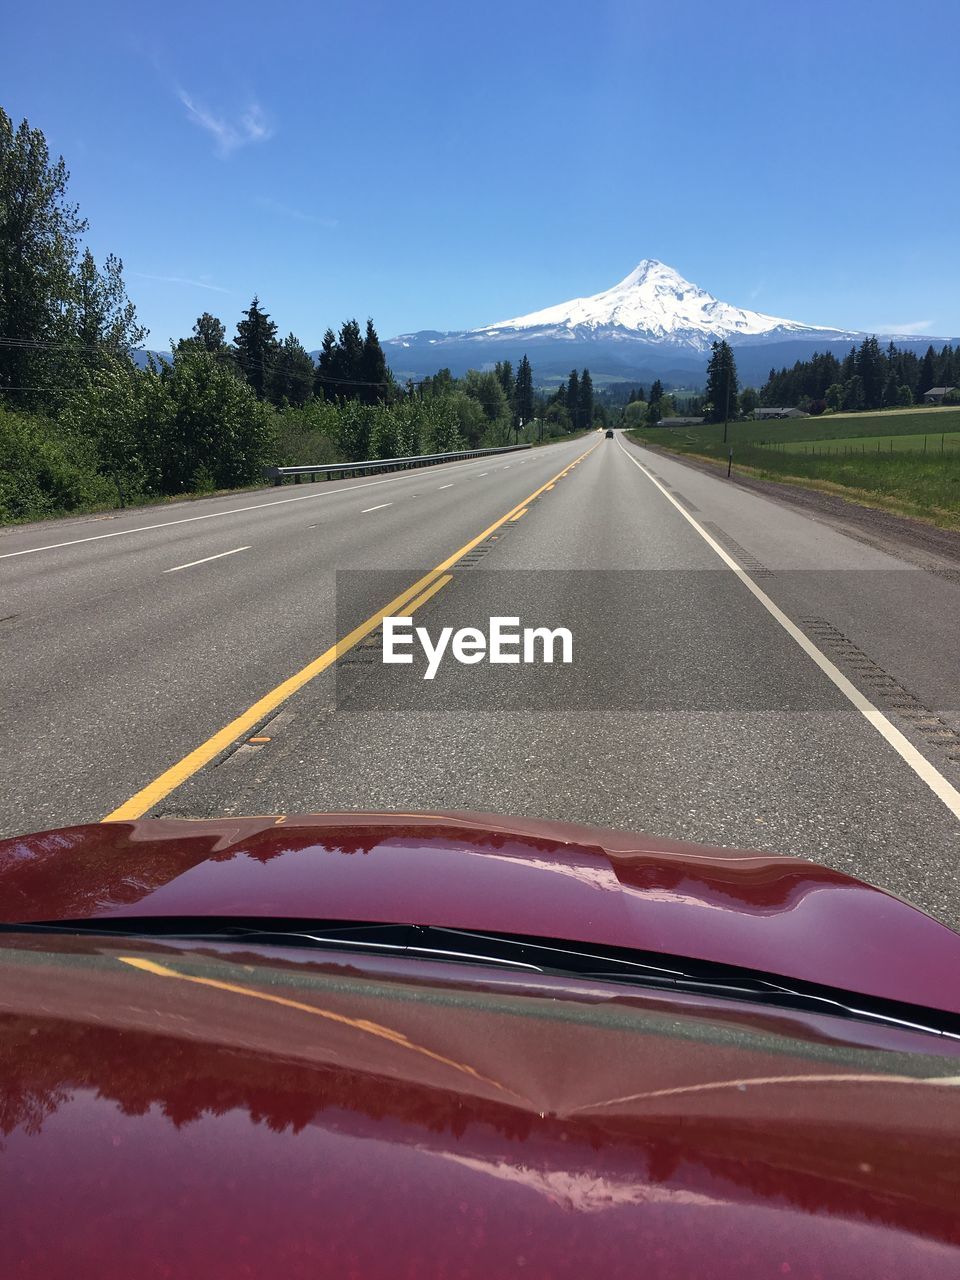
(372, 465)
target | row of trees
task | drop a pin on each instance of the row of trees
(573, 406)
(868, 377)
(282, 371)
(83, 423)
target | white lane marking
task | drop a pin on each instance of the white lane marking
(214, 515)
(205, 560)
(445, 486)
(482, 474)
(379, 507)
(904, 748)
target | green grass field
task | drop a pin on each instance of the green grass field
(928, 443)
(877, 459)
(835, 426)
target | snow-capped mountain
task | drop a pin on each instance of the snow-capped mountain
(653, 324)
(654, 303)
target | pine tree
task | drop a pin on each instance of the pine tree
(523, 393)
(324, 383)
(373, 369)
(870, 366)
(573, 398)
(585, 403)
(351, 355)
(257, 347)
(504, 371)
(928, 372)
(721, 393)
(656, 392)
(293, 377)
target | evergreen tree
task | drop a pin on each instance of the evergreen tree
(39, 231)
(293, 376)
(350, 343)
(373, 368)
(870, 366)
(523, 393)
(324, 384)
(721, 393)
(656, 392)
(928, 372)
(504, 372)
(585, 402)
(573, 398)
(256, 348)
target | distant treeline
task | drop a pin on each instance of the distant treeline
(868, 377)
(82, 425)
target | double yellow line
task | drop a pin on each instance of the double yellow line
(405, 603)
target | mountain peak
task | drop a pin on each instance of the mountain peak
(651, 270)
(653, 304)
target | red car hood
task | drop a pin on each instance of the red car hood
(187, 1108)
(781, 915)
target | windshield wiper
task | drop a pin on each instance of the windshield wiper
(549, 957)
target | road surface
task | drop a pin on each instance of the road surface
(742, 674)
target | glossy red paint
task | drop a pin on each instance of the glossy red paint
(778, 914)
(188, 1111)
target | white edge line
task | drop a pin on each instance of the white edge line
(378, 507)
(205, 560)
(445, 486)
(914, 759)
(232, 511)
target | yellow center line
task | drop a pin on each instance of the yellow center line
(519, 514)
(422, 599)
(178, 773)
(359, 1024)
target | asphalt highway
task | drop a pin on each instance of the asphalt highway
(742, 673)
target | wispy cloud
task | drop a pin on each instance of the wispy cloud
(229, 135)
(913, 326)
(298, 215)
(182, 280)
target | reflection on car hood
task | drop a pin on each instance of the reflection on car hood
(473, 871)
(190, 1110)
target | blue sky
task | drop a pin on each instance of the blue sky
(449, 165)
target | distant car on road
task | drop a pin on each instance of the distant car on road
(609, 433)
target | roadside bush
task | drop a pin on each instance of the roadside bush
(307, 434)
(197, 417)
(45, 471)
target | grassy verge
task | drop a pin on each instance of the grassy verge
(842, 427)
(929, 443)
(926, 487)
